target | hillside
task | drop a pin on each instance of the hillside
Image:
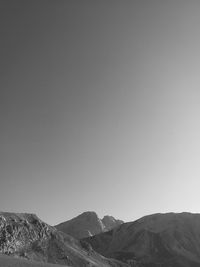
(164, 240)
(26, 236)
(88, 224)
(8, 261)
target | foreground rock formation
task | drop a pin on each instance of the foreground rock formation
(88, 224)
(164, 240)
(26, 236)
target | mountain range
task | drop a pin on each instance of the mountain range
(158, 240)
(26, 236)
(88, 224)
(165, 240)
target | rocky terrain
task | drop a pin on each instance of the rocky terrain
(110, 222)
(26, 236)
(164, 240)
(8, 261)
(158, 240)
(88, 224)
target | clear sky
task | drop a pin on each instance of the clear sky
(99, 107)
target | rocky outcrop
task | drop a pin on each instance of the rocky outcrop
(157, 240)
(110, 222)
(21, 232)
(88, 224)
(26, 236)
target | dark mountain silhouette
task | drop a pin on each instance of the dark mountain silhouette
(164, 240)
(88, 224)
(25, 236)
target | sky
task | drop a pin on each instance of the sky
(99, 107)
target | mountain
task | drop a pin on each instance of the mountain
(25, 236)
(88, 224)
(164, 240)
(110, 222)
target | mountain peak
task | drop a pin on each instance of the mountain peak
(110, 222)
(87, 224)
(24, 235)
(89, 215)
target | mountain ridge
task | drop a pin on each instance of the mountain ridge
(161, 239)
(88, 224)
(25, 236)
(170, 239)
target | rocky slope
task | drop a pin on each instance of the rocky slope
(88, 224)
(26, 236)
(164, 240)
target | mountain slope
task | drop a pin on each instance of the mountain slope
(7, 261)
(88, 224)
(165, 240)
(26, 236)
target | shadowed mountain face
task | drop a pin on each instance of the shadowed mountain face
(164, 240)
(88, 224)
(26, 236)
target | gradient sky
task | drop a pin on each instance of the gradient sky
(99, 107)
